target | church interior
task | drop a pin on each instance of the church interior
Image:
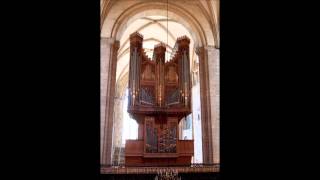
(159, 67)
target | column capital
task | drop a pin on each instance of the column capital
(108, 40)
(116, 45)
(199, 50)
(211, 48)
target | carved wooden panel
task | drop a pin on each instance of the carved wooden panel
(168, 137)
(148, 72)
(161, 137)
(171, 74)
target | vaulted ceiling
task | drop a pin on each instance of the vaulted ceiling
(202, 16)
(197, 19)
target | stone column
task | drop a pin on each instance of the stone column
(209, 99)
(117, 128)
(214, 82)
(108, 64)
(205, 105)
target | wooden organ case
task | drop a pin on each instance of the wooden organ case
(159, 97)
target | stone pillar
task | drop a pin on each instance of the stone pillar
(205, 105)
(214, 82)
(209, 99)
(108, 63)
(118, 121)
(104, 66)
(117, 128)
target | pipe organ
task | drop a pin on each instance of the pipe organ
(159, 97)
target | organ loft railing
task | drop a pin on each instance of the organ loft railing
(160, 169)
(167, 174)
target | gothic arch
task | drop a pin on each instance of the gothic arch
(200, 28)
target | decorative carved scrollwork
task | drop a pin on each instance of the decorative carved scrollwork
(147, 73)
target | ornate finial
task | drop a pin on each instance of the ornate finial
(161, 44)
(183, 37)
(136, 34)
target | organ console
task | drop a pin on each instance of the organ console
(159, 97)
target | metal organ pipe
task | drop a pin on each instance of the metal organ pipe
(180, 61)
(130, 81)
(182, 79)
(185, 62)
(138, 75)
(134, 74)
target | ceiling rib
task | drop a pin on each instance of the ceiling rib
(145, 26)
